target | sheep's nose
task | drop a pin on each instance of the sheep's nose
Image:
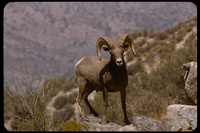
(119, 62)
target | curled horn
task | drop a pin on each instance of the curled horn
(100, 42)
(125, 40)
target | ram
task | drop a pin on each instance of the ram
(106, 75)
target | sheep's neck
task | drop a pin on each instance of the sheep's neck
(115, 78)
(115, 70)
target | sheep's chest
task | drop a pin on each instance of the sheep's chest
(114, 83)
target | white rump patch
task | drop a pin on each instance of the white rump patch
(79, 62)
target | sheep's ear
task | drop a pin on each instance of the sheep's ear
(126, 46)
(105, 48)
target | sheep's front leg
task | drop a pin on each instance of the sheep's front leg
(123, 100)
(105, 98)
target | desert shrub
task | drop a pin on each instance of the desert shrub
(165, 83)
(148, 103)
(56, 82)
(180, 25)
(171, 31)
(32, 124)
(61, 83)
(145, 32)
(136, 34)
(180, 34)
(134, 68)
(151, 33)
(193, 23)
(72, 97)
(72, 125)
(169, 76)
(162, 36)
(28, 110)
(63, 114)
(158, 48)
(62, 100)
(141, 42)
(8, 103)
(189, 28)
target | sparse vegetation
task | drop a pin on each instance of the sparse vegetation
(150, 94)
(161, 36)
(63, 114)
(31, 34)
(147, 93)
(148, 103)
(72, 125)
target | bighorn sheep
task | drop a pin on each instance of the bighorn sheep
(106, 75)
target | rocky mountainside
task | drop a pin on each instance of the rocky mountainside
(155, 73)
(57, 34)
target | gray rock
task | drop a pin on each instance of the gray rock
(144, 123)
(95, 125)
(130, 127)
(181, 117)
(191, 80)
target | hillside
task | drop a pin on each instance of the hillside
(155, 49)
(156, 80)
(40, 34)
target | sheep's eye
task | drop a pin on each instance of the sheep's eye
(126, 47)
(111, 52)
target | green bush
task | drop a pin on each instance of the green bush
(72, 125)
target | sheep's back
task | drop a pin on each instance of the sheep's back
(89, 67)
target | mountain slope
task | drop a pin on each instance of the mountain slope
(37, 34)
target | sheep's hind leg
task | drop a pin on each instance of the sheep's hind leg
(85, 98)
(105, 98)
(82, 87)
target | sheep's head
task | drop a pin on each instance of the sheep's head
(116, 48)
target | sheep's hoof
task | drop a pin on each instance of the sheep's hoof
(127, 122)
(103, 121)
(96, 115)
(85, 118)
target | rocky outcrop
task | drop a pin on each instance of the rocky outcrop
(191, 80)
(178, 118)
(144, 123)
(181, 117)
(95, 124)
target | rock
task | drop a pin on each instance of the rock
(130, 127)
(144, 123)
(181, 117)
(95, 125)
(191, 80)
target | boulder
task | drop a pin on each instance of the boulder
(95, 124)
(130, 127)
(144, 123)
(181, 117)
(191, 80)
